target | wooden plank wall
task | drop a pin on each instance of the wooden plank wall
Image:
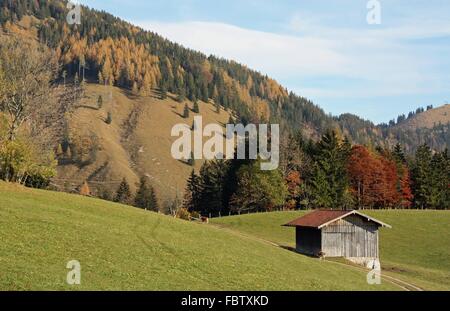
(353, 236)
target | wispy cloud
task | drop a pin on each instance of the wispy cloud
(376, 61)
(373, 55)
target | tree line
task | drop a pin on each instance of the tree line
(144, 198)
(329, 173)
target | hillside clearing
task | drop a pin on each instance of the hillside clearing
(137, 143)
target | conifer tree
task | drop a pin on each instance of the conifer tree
(330, 179)
(153, 200)
(196, 108)
(186, 111)
(123, 193)
(145, 196)
(217, 106)
(398, 154)
(191, 160)
(181, 95)
(422, 176)
(108, 119)
(192, 194)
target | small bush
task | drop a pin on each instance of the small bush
(109, 118)
(183, 213)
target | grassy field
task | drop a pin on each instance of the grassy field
(416, 249)
(123, 248)
(137, 142)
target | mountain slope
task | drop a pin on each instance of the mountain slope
(428, 119)
(137, 142)
(106, 49)
(123, 248)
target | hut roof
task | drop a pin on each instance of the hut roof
(322, 218)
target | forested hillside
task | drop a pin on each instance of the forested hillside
(89, 108)
(107, 50)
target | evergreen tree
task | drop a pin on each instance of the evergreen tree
(398, 154)
(217, 106)
(192, 194)
(440, 181)
(212, 179)
(108, 119)
(196, 108)
(123, 193)
(181, 96)
(186, 111)
(153, 199)
(145, 197)
(191, 160)
(422, 176)
(105, 194)
(330, 181)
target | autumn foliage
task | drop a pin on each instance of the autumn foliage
(85, 189)
(376, 181)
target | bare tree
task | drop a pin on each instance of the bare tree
(28, 93)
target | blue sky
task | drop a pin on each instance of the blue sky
(321, 49)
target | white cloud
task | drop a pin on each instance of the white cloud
(269, 53)
(380, 59)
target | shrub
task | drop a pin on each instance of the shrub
(183, 213)
(108, 119)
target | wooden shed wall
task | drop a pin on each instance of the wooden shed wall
(308, 241)
(350, 237)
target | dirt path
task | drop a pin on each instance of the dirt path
(397, 282)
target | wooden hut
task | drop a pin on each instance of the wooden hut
(337, 233)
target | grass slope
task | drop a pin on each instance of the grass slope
(416, 249)
(428, 119)
(137, 143)
(123, 248)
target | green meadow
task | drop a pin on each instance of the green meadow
(124, 248)
(416, 249)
